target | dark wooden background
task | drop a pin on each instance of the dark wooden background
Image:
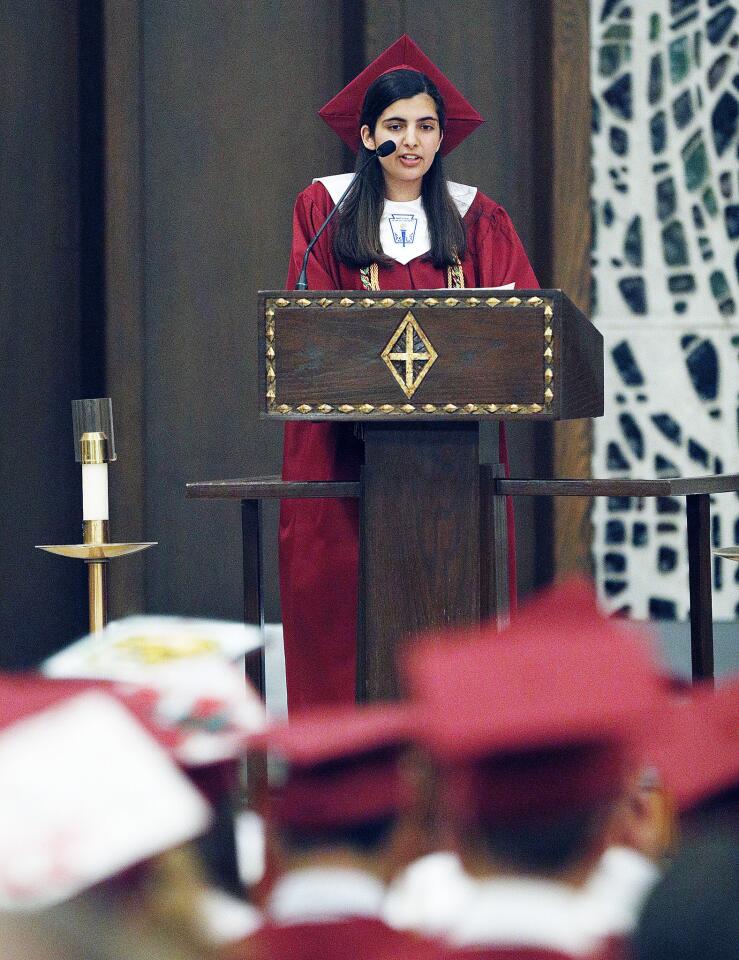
(151, 153)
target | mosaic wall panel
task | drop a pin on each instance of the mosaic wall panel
(665, 204)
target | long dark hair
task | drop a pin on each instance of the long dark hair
(357, 236)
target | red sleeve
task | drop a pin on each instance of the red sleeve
(311, 209)
(500, 255)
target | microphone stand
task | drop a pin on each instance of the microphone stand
(384, 150)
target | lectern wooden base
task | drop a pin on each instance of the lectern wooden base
(420, 541)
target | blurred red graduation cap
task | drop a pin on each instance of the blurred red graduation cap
(25, 694)
(696, 747)
(341, 765)
(561, 673)
(542, 716)
(343, 111)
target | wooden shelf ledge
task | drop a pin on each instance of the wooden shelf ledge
(270, 488)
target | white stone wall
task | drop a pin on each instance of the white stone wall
(665, 200)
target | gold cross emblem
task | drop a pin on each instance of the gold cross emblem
(409, 365)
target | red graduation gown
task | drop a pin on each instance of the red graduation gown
(319, 538)
(512, 953)
(438, 951)
(358, 938)
(613, 949)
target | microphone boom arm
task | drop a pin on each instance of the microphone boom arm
(384, 150)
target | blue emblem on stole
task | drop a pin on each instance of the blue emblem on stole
(403, 226)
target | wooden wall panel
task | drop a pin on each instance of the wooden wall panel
(125, 340)
(230, 96)
(570, 267)
(42, 603)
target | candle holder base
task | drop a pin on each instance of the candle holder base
(97, 556)
(95, 551)
(728, 553)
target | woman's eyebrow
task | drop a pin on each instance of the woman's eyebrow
(404, 119)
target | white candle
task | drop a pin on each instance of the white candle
(94, 491)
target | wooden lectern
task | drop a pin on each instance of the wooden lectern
(416, 371)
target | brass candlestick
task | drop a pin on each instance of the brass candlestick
(94, 449)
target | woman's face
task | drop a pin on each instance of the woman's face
(414, 126)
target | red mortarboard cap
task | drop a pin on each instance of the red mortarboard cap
(343, 111)
(342, 765)
(696, 747)
(540, 717)
(534, 784)
(25, 694)
(562, 673)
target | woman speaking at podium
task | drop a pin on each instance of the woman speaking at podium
(401, 226)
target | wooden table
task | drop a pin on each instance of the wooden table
(696, 490)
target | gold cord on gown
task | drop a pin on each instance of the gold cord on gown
(370, 276)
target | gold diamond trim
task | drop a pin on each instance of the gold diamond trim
(407, 408)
